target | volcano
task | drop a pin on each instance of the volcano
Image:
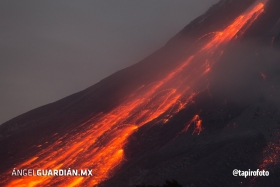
(200, 107)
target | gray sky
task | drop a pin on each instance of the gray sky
(50, 49)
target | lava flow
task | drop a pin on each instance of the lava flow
(99, 145)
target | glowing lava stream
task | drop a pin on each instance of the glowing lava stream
(99, 146)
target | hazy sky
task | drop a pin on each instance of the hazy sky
(51, 49)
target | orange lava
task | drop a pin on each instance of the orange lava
(197, 125)
(99, 146)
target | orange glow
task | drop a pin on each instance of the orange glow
(99, 146)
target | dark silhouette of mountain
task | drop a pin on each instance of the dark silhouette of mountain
(195, 123)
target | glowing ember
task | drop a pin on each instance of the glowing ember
(271, 156)
(99, 146)
(263, 76)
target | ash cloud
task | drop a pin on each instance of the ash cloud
(248, 72)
